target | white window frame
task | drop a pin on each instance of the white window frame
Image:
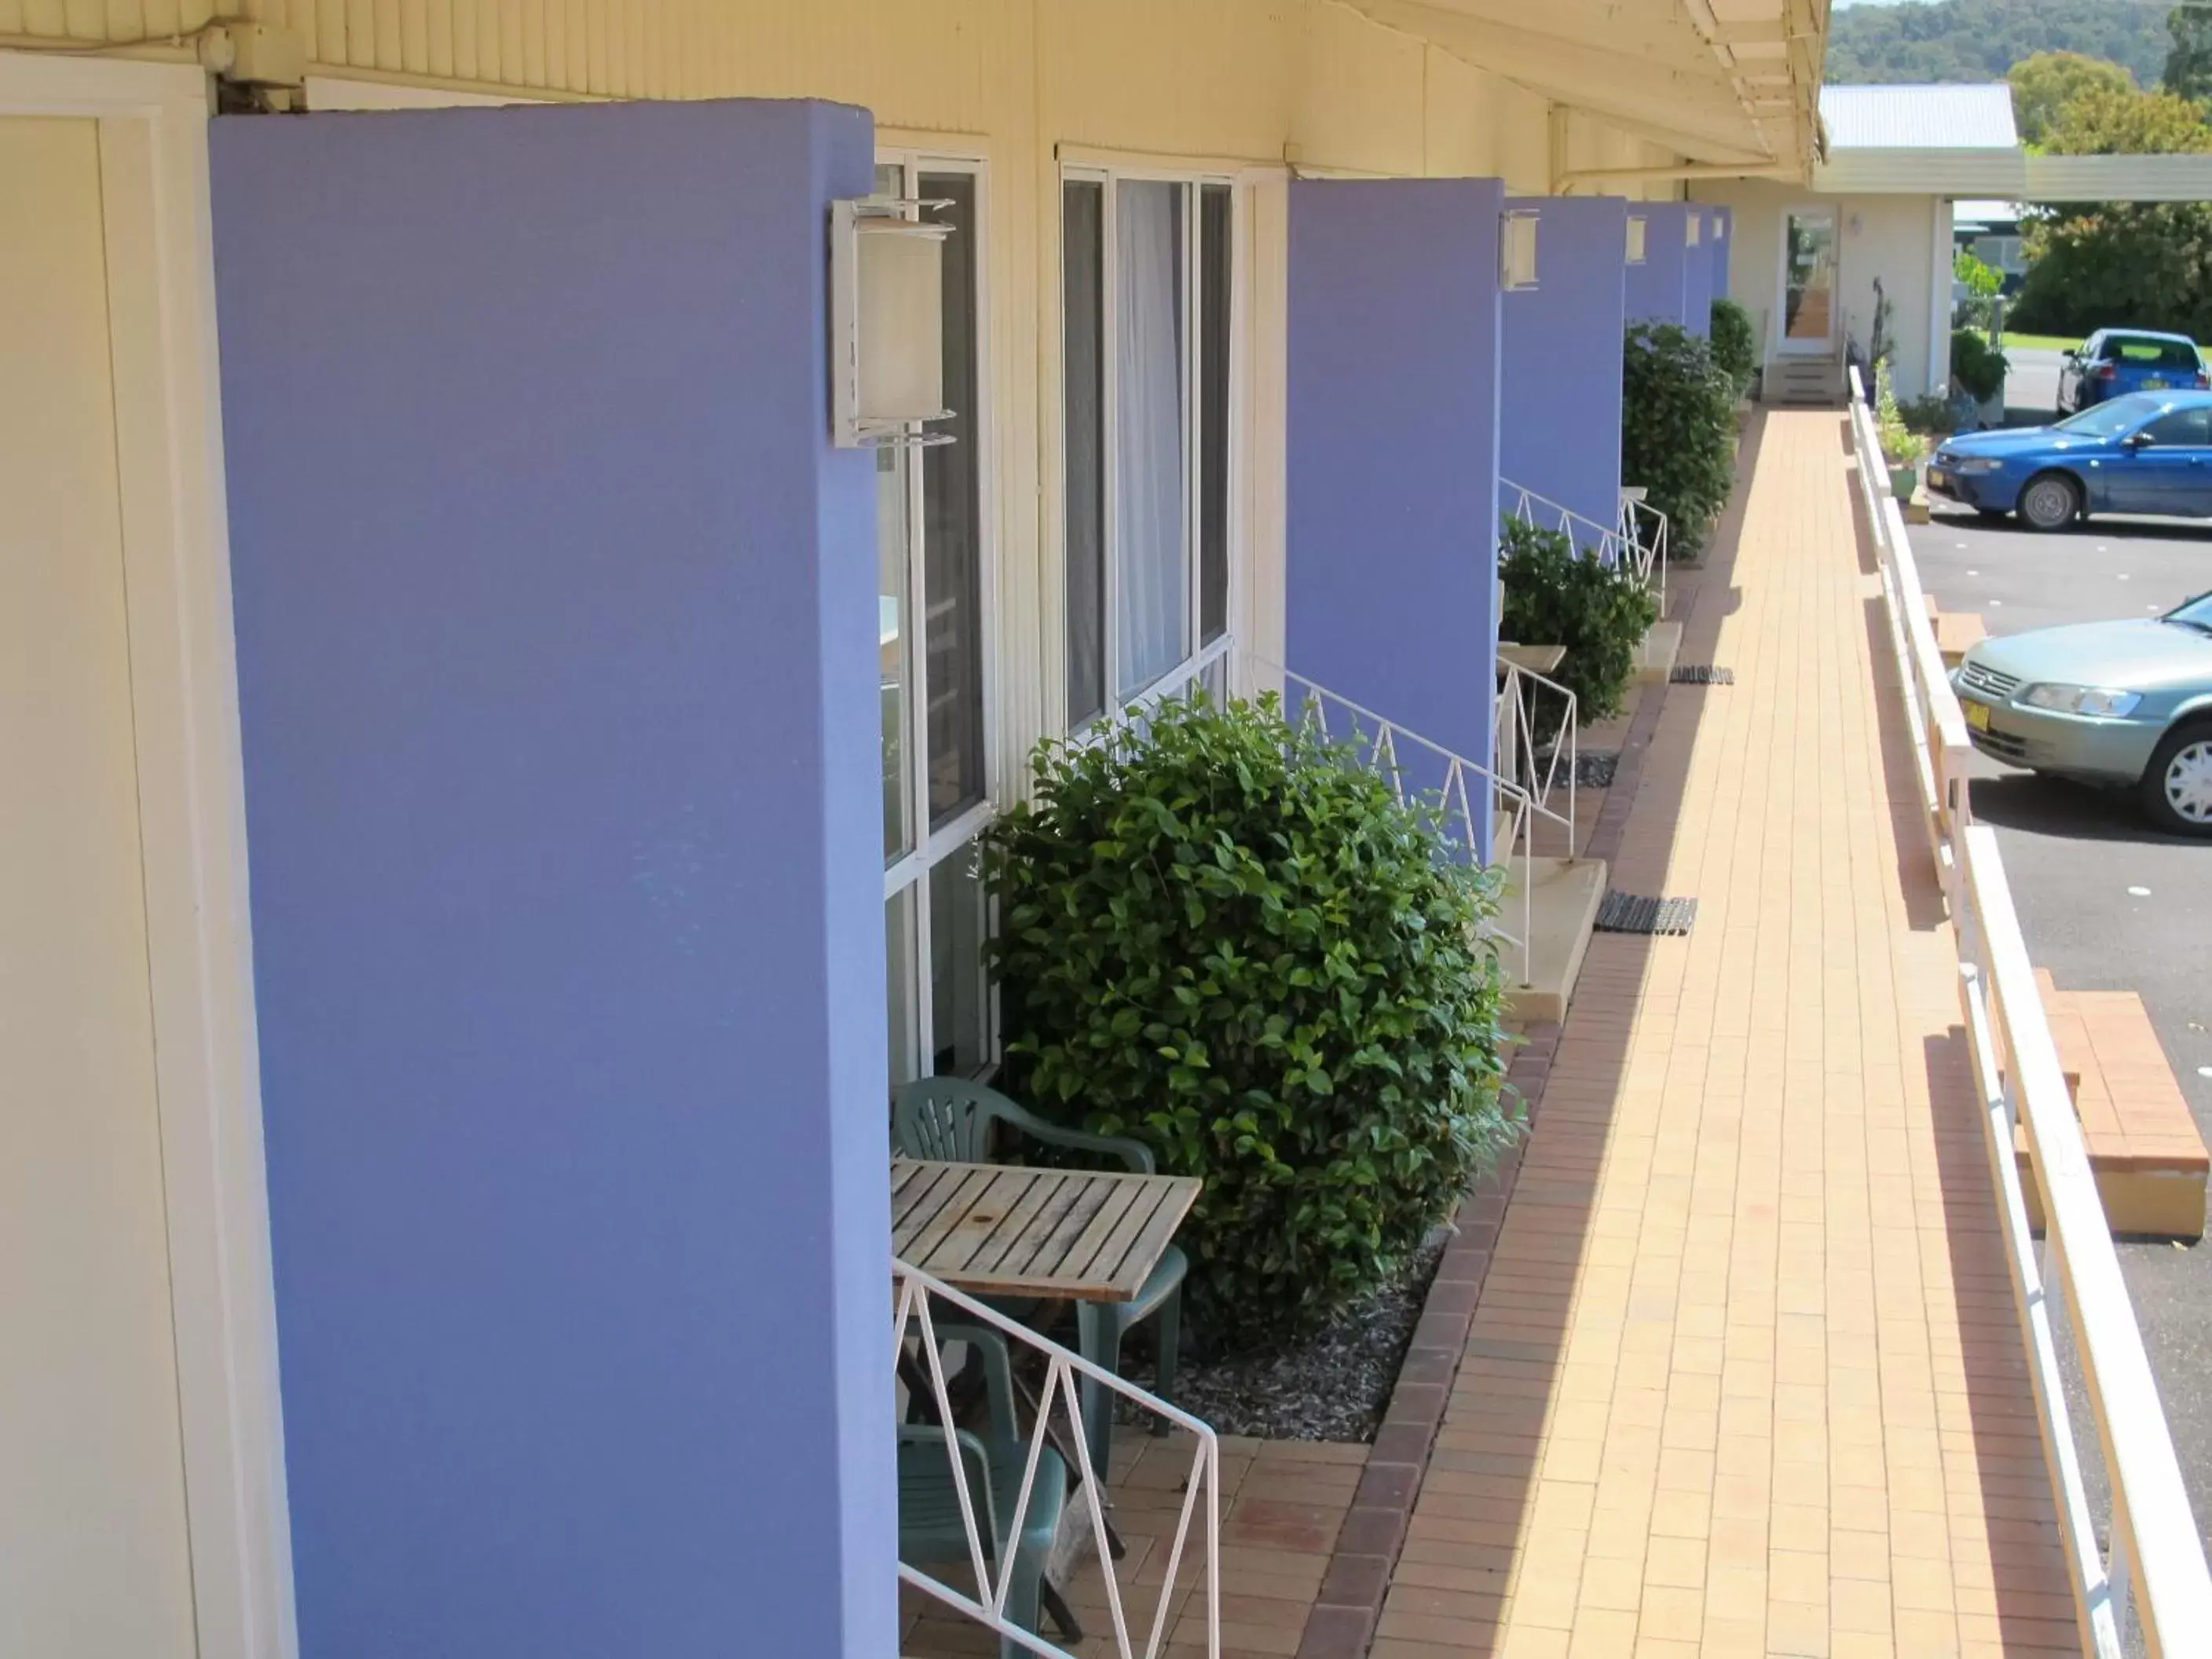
(910, 871)
(1199, 654)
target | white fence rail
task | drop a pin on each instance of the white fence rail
(2151, 1583)
(1647, 530)
(1046, 1451)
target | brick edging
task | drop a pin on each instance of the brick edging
(1343, 1620)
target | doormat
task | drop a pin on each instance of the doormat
(1631, 913)
(1700, 673)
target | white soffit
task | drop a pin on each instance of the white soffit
(1720, 82)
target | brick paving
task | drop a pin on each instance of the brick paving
(1744, 1376)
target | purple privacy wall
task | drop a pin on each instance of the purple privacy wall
(1723, 223)
(1698, 276)
(1656, 287)
(1393, 450)
(556, 644)
(1560, 386)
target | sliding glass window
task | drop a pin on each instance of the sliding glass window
(1147, 320)
(934, 636)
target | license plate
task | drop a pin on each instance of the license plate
(1938, 480)
(1978, 715)
(2153, 384)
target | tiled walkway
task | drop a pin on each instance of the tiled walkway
(1745, 1377)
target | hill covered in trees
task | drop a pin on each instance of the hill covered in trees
(1981, 39)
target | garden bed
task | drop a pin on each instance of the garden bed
(1335, 1386)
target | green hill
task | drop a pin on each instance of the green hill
(1980, 39)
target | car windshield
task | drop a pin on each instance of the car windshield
(2109, 420)
(2197, 614)
(2138, 351)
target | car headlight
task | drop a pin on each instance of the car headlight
(2082, 699)
(1980, 464)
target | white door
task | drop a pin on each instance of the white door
(1808, 281)
(93, 1548)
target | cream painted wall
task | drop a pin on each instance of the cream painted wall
(1024, 84)
(1890, 237)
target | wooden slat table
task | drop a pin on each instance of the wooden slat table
(1069, 1235)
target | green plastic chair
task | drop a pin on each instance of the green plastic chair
(931, 1530)
(951, 1118)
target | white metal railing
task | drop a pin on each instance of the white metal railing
(1462, 788)
(1646, 530)
(1636, 540)
(1602, 542)
(2154, 1577)
(1523, 760)
(919, 1354)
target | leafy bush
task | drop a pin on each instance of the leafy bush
(1224, 937)
(1978, 367)
(1555, 596)
(1931, 414)
(1677, 428)
(1735, 344)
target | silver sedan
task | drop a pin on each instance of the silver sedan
(2126, 703)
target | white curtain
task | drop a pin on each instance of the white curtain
(1151, 559)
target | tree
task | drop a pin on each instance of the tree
(2188, 62)
(1981, 39)
(2046, 83)
(2123, 264)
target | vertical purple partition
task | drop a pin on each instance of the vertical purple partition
(1698, 274)
(1657, 287)
(1393, 450)
(557, 641)
(1561, 387)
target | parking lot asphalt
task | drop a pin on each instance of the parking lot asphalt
(2107, 903)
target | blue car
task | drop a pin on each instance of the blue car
(2150, 452)
(2114, 361)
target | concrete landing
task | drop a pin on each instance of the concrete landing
(1566, 893)
(1655, 656)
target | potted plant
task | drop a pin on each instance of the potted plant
(1901, 447)
(1678, 428)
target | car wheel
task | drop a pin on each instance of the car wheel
(2051, 501)
(2177, 786)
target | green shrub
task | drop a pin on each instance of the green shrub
(1226, 938)
(1554, 596)
(1978, 367)
(1736, 343)
(1678, 428)
(1900, 445)
(1930, 413)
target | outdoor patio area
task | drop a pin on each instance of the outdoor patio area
(1744, 1375)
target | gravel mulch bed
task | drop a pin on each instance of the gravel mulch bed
(1594, 768)
(1334, 1387)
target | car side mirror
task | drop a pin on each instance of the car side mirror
(2136, 440)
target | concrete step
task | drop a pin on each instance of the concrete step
(1816, 382)
(2149, 1160)
(1656, 652)
(1565, 894)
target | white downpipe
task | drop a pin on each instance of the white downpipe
(2154, 1577)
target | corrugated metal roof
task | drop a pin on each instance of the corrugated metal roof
(1919, 118)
